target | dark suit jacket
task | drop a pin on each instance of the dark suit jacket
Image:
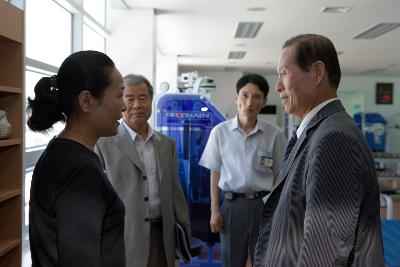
(324, 208)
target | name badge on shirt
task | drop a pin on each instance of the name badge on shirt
(266, 161)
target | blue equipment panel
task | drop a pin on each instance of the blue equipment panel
(391, 243)
(374, 129)
(188, 119)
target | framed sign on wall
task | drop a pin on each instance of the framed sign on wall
(384, 93)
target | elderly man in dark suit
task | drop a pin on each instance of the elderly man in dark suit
(324, 207)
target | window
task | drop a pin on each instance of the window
(54, 29)
(96, 9)
(26, 258)
(92, 40)
(48, 32)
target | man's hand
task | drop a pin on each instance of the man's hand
(216, 222)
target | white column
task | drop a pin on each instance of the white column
(167, 71)
(132, 42)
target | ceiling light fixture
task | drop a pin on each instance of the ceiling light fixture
(336, 9)
(377, 30)
(229, 68)
(256, 9)
(248, 29)
(236, 54)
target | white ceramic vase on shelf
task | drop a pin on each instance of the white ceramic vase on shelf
(5, 126)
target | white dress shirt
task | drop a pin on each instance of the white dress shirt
(311, 114)
(147, 155)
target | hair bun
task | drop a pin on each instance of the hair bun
(44, 110)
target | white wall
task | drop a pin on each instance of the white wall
(363, 84)
(225, 81)
(367, 85)
(167, 70)
(223, 96)
(132, 43)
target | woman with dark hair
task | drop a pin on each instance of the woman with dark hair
(75, 217)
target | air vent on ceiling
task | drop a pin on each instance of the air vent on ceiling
(248, 29)
(236, 54)
(336, 9)
(377, 30)
(339, 53)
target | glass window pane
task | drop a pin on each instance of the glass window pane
(92, 40)
(96, 9)
(48, 31)
(26, 255)
(33, 139)
(27, 195)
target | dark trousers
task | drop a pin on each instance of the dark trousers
(157, 251)
(241, 225)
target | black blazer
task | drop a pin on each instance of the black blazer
(324, 208)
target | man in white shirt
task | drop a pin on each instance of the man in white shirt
(324, 207)
(142, 166)
(244, 155)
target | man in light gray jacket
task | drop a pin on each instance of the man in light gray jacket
(142, 166)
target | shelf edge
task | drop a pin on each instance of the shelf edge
(8, 194)
(8, 245)
(9, 89)
(10, 142)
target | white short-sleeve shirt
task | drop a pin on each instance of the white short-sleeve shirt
(247, 162)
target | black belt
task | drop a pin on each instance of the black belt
(156, 220)
(248, 195)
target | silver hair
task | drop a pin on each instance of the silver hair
(136, 79)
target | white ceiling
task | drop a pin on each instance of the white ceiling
(201, 32)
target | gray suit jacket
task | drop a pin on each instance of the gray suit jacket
(126, 172)
(324, 208)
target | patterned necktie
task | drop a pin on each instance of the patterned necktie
(289, 148)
